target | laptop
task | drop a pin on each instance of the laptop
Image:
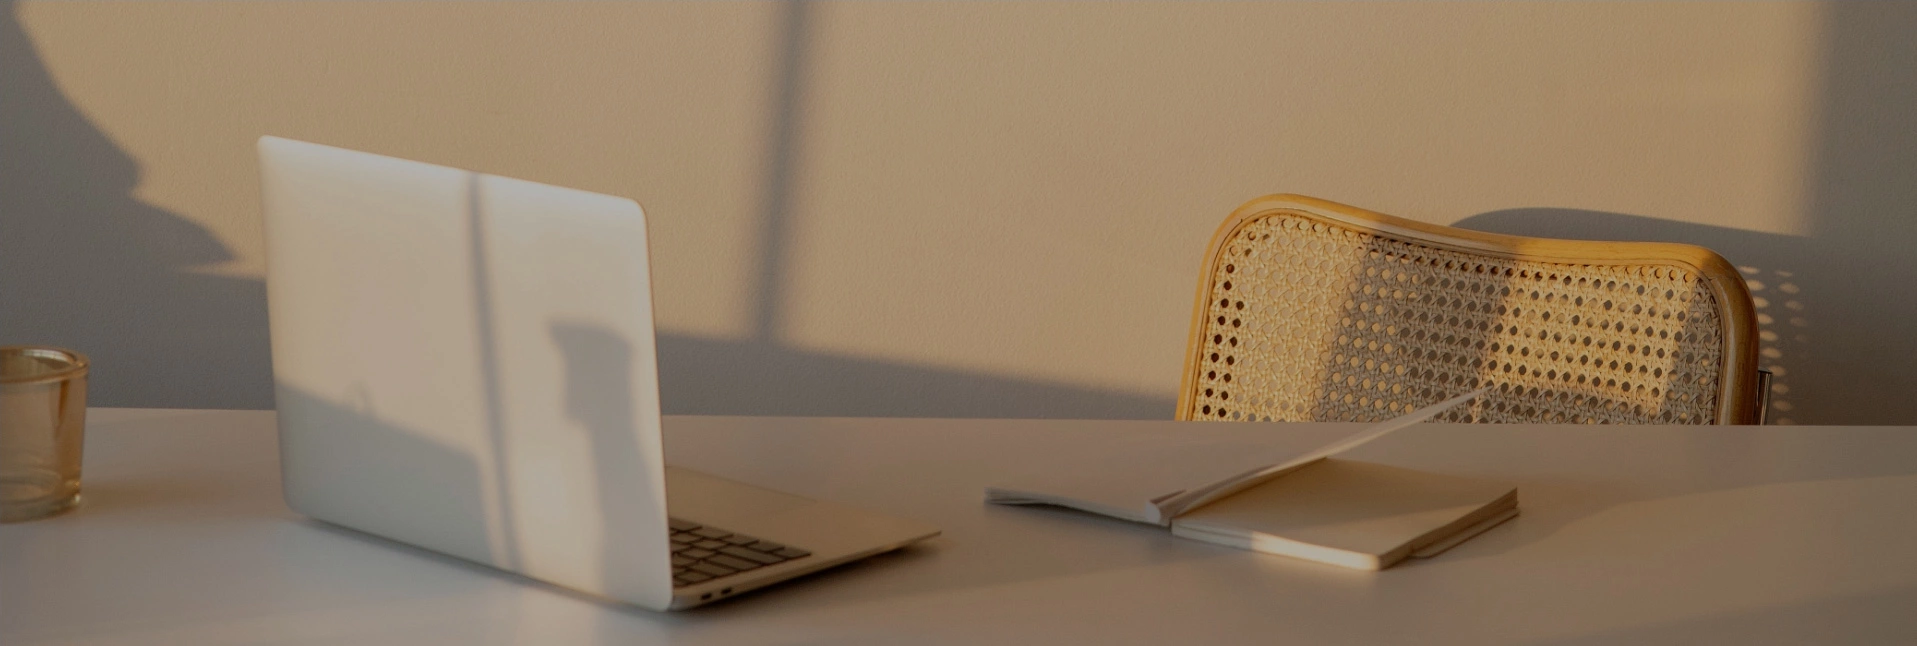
(466, 363)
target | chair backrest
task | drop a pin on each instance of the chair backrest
(1314, 311)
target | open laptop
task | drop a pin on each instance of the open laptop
(466, 363)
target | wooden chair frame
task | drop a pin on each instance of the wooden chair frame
(1739, 399)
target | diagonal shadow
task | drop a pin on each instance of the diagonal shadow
(782, 153)
(485, 328)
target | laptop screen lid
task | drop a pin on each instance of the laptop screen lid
(466, 363)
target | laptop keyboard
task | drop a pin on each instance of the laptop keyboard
(702, 553)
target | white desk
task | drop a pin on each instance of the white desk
(1629, 535)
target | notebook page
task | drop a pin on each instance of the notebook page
(1171, 506)
(1148, 478)
(1124, 477)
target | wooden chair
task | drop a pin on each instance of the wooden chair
(1314, 311)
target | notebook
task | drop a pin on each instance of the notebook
(1310, 506)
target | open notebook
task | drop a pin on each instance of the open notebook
(1310, 506)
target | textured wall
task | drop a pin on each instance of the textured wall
(959, 209)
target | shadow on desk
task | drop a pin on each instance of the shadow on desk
(1578, 500)
(1851, 619)
(1594, 521)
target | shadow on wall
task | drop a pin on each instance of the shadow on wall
(1863, 213)
(762, 376)
(86, 265)
(1836, 307)
(708, 377)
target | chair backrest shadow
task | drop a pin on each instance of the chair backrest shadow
(1309, 310)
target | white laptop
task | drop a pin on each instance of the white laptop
(466, 363)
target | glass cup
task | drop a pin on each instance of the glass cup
(43, 407)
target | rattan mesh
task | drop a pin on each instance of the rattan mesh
(1316, 321)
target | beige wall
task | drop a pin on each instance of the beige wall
(961, 209)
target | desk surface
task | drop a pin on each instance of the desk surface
(1629, 535)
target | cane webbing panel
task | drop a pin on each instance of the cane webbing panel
(1310, 320)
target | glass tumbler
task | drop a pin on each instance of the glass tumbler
(43, 407)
